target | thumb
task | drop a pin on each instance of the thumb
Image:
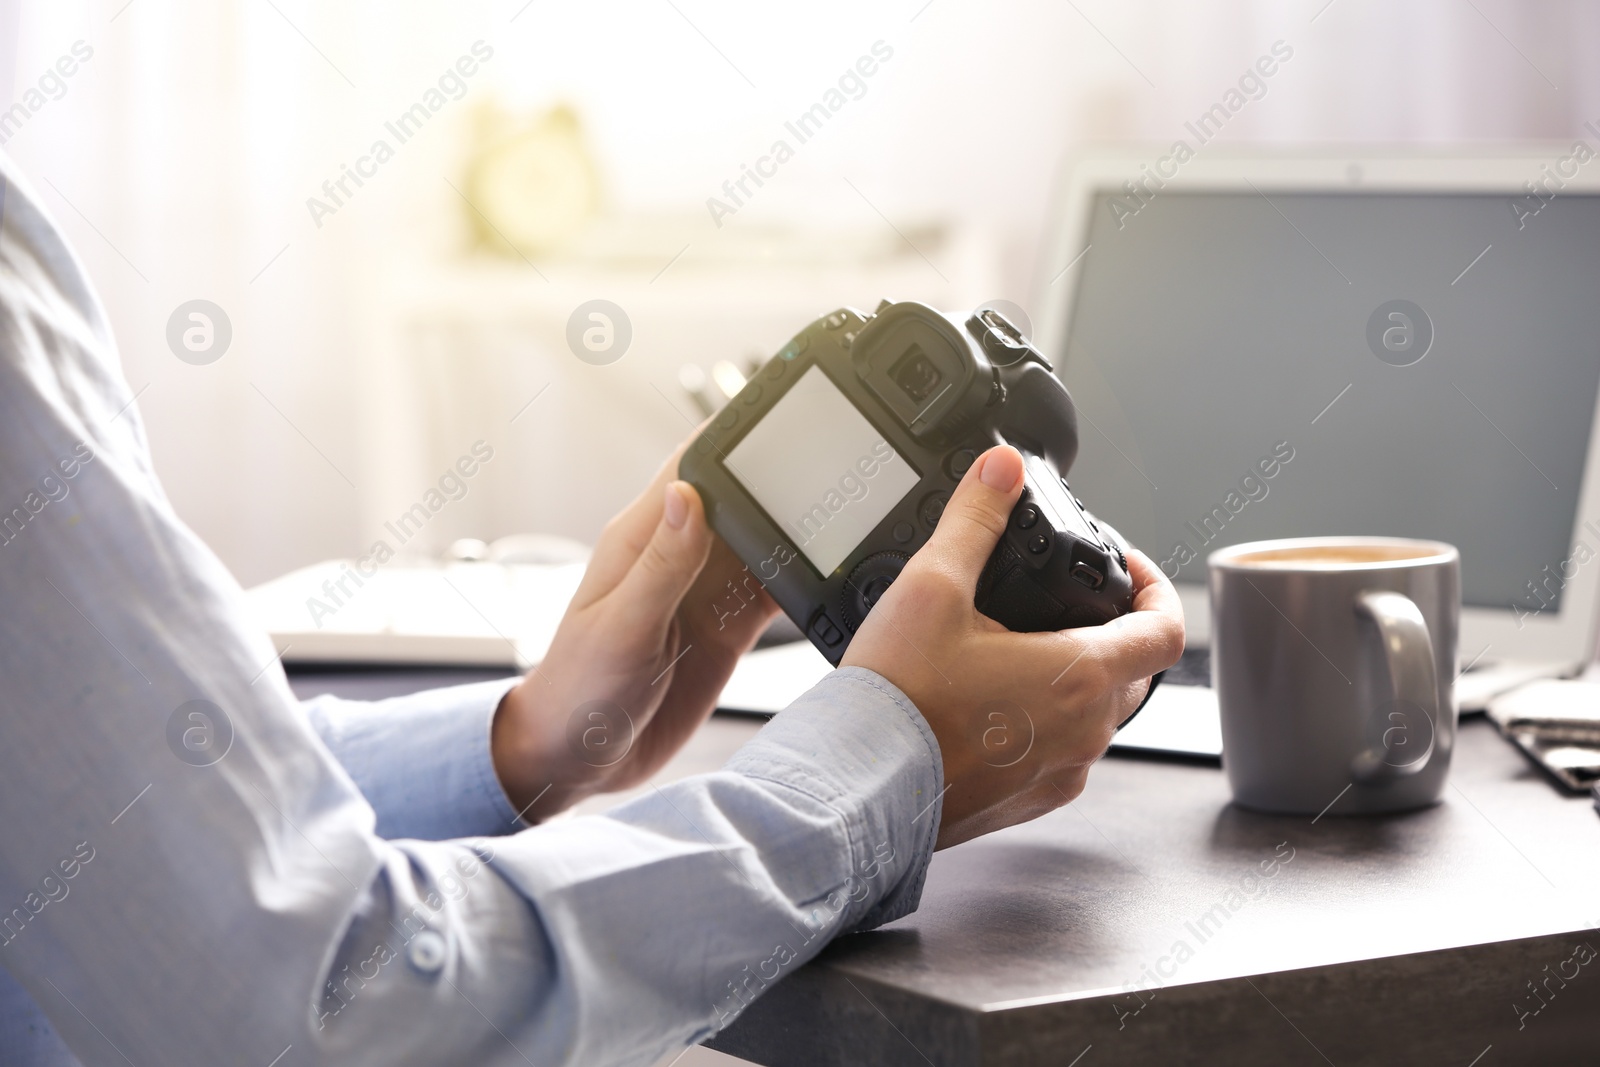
(670, 561)
(977, 514)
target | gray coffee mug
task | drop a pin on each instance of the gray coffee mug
(1333, 660)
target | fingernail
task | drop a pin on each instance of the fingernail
(1002, 467)
(677, 508)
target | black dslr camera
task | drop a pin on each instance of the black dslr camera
(834, 463)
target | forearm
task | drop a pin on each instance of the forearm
(614, 938)
(667, 915)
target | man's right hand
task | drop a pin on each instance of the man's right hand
(1019, 717)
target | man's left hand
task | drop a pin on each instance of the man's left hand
(661, 617)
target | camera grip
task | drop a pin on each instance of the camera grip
(1013, 597)
(1038, 415)
(1054, 568)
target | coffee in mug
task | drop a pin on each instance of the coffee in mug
(1333, 660)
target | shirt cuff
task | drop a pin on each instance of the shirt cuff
(858, 744)
(422, 761)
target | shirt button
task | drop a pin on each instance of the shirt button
(426, 952)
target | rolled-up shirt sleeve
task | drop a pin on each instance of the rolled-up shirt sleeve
(188, 875)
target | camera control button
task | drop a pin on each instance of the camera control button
(788, 354)
(1027, 517)
(826, 631)
(1039, 544)
(960, 461)
(728, 417)
(867, 584)
(1088, 575)
(836, 320)
(751, 394)
(932, 507)
(903, 532)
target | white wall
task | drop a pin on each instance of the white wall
(180, 158)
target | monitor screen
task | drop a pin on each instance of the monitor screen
(1255, 365)
(823, 474)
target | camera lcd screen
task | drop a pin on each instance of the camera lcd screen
(823, 473)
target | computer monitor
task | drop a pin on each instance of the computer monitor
(1274, 346)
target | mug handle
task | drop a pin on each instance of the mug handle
(1408, 648)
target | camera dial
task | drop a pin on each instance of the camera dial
(867, 584)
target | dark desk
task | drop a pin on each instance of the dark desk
(1397, 940)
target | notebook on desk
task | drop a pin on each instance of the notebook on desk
(460, 614)
(1234, 319)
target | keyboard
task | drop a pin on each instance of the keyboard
(1193, 668)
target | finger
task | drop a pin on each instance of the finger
(625, 536)
(1152, 589)
(1146, 640)
(729, 599)
(666, 566)
(976, 515)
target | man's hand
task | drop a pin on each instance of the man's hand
(1019, 717)
(663, 613)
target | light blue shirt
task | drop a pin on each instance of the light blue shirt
(338, 882)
